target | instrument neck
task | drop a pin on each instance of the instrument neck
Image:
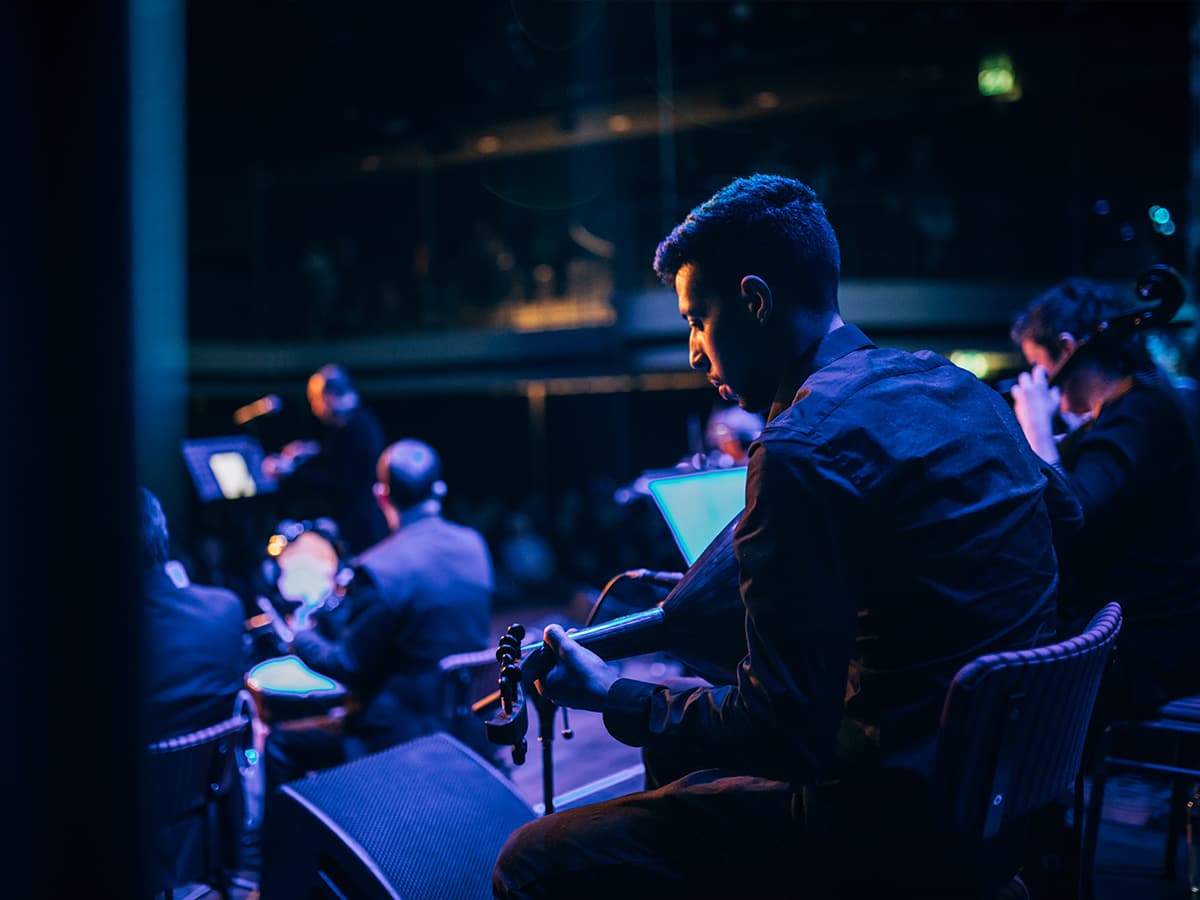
(629, 635)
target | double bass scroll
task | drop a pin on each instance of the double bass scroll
(1160, 284)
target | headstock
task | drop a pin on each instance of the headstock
(511, 723)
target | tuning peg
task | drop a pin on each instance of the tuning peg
(506, 653)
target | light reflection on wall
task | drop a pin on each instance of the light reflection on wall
(554, 314)
(985, 364)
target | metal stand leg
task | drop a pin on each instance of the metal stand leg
(546, 710)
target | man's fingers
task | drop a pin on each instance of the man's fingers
(553, 636)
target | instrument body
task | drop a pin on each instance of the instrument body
(305, 578)
(288, 694)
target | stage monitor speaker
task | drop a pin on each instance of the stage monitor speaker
(422, 821)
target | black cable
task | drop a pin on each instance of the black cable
(663, 579)
(591, 616)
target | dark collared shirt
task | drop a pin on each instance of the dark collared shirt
(896, 525)
(1136, 471)
(342, 476)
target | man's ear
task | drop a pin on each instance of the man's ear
(757, 294)
(1066, 344)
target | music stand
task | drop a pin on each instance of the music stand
(227, 468)
(698, 505)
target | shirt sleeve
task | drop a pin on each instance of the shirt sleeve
(1066, 512)
(347, 458)
(781, 716)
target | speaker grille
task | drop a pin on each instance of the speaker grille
(430, 814)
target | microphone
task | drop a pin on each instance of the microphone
(263, 406)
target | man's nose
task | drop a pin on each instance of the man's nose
(697, 358)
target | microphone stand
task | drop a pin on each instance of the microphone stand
(546, 710)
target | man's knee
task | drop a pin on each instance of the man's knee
(515, 868)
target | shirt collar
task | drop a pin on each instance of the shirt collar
(829, 348)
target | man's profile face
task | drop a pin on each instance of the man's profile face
(1037, 355)
(725, 341)
(317, 400)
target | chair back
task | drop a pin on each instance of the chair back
(1013, 727)
(467, 678)
(193, 801)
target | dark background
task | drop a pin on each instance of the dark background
(339, 209)
(203, 202)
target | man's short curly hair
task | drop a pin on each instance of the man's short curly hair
(765, 225)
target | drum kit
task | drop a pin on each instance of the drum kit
(288, 694)
(304, 578)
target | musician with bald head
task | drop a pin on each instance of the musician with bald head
(422, 593)
(896, 526)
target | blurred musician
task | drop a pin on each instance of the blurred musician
(194, 638)
(1132, 458)
(194, 659)
(304, 575)
(728, 435)
(1134, 465)
(422, 593)
(337, 472)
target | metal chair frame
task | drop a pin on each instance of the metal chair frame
(1014, 727)
(187, 778)
(1172, 739)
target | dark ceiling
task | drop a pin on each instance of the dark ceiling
(311, 79)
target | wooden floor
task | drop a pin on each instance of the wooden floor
(1132, 833)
